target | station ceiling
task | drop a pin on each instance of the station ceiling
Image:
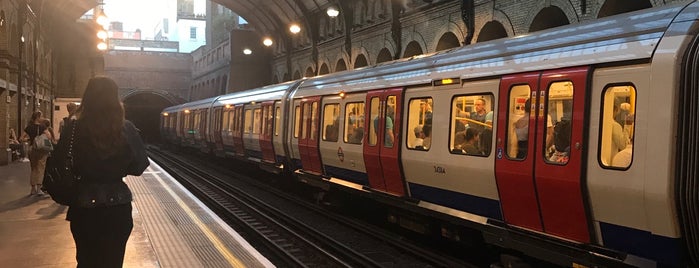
(267, 16)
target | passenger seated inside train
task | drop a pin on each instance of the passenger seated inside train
(419, 138)
(471, 142)
(561, 142)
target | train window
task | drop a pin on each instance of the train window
(419, 123)
(559, 116)
(277, 120)
(519, 107)
(248, 121)
(354, 122)
(374, 113)
(314, 120)
(257, 121)
(297, 120)
(389, 121)
(195, 124)
(304, 120)
(269, 120)
(618, 118)
(226, 124)
(472, 125)
(331, 124)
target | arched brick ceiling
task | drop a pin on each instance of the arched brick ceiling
(267, 16)
(275, 16)
(65, 9)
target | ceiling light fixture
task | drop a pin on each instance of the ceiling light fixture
(294, 28)
(267, 42)
(333, 12)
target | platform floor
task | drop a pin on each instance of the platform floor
(171, 227)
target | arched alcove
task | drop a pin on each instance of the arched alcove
(491, 30)
(384, 55)
(548, 17)
(614, 7)
(360, 61)
(323, 69)
(340, 66)
(412, 49)
(447, 41)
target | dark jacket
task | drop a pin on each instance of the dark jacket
(100, 182)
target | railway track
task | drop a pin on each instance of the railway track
(295, 232)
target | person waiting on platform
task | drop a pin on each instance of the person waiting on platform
(106, 148)
(37, 158)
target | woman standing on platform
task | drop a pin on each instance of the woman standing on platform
(106, 148)
(37, 158)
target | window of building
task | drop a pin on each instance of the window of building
(354, 122)
(519, 110)
(472, 124)
(559, 122)
(618, 120)
(193, 32)
(419, 124)
(331, 124)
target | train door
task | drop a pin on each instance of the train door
(238, 130)
(540, 152)
(308, 139)
(382, 142)
(267, 132)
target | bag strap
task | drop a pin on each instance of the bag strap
(69, 156)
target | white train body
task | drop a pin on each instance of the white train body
(524, 142)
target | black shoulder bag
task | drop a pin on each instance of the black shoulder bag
(59, 177)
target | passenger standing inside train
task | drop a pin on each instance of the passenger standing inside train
(388, 135)
(106, 148)
(37, 158)
(522, 131)
(619, 137)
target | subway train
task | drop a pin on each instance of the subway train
(577, 145)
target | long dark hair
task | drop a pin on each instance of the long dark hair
(101, 115)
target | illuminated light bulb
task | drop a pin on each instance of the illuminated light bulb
(295, 28)
(102, 46)
(247, 51)
(267, 42)
(333, 12)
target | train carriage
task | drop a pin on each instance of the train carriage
(578, 139)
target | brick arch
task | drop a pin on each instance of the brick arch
(451, 28)
(275, 79)
(613, 7)
(323, 69)
(491, 31)
(500, 17)
(384, 55)
(412, 49)
(420, 40)
(340, 65)
(309, 72)
(564, 6)
(297, 75)
(360, 51)
(360, 61)
(446, 41)
(342, 56)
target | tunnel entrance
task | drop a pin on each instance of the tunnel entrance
(143, 109)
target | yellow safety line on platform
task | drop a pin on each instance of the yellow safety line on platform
(232, 259)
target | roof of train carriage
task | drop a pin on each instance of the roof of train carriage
(266, 93)
(197, 104)
(623, 37)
